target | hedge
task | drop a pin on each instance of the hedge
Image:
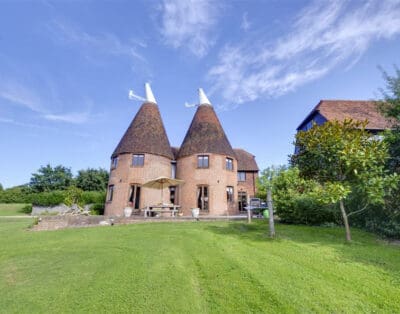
(18, 195)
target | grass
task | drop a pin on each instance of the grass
(196, 267)
(12, 210)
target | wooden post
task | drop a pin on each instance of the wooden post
(271, 213)
(248, 210)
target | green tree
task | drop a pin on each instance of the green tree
(264, 180)
(92, 179)
(1, 187)
(48, 178)
(390, 106)
(73, 195)
(265, 185)
(344, 159)
(295, 201)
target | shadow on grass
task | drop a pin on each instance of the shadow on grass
(365, 248)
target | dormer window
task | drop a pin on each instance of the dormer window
(138, 160)
(202, 161)
(114, 162)
(229, 164)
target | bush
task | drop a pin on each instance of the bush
(295, 202)
(19, 194)
(97, 209)
(93, 197)
(27, 209)
(48, 198)
(381, 219)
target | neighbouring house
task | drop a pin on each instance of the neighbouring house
(217, 178)
(360, 110)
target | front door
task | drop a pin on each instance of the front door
(242, 198)
(202, 197)
(134, 196)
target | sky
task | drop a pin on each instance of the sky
(66, 69)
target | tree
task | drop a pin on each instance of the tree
(264, 183)
(265, 179)
(295, 200)
(344, 159)
(390, 107)
(92, 179)
(1, 187)
(48, 179)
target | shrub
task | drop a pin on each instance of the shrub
(17, 194)
(93, 197)
(27, 209)
(73, 195)
(295, 202)
(48, 198)
(97, 209)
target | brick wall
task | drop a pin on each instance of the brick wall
(249, 186)
(216, 177)
(125, 174)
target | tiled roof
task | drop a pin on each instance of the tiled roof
(175, 151)
(246, 161)
(146, 134)
(354, 109)
(205, 135)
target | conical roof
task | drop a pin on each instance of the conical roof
(146, 134)
(205, 134)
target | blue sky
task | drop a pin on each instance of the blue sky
(66, 69)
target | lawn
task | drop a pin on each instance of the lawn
(196, 267)
(11, 210)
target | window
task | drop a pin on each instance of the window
(242, 198)
(114, 162)
(173, 170)
(202, 197)
(202, 161)
(229, 163)
(241, 176)
(138, 160)
(134, 196)
(173, 192)
(229, 193)
(110, 193)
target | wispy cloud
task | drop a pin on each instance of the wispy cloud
(44, 127)
(245, 25)
(22, 96)
(324, 35)
(19, 95)
(76, 117)
(106, 43)
(24, 124)
(189, 24)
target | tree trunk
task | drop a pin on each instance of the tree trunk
(271, 214)
(345, 220)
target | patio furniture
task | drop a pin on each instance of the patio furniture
(163, 208)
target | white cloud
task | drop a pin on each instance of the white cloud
(245, 25)
(324, 35)
(23, 124)
(76, 117)
(105, 43)
(189, 24)
(17, 94)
